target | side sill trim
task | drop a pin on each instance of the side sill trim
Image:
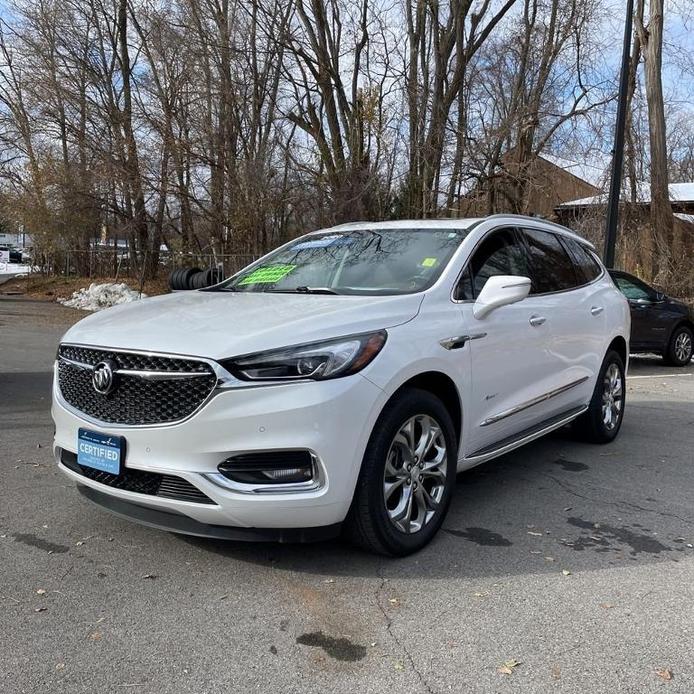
(530, 403)
(526, 436)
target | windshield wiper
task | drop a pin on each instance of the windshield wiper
(315, 290)
(303, 290)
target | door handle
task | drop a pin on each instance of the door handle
(596, 310)
(537, 320)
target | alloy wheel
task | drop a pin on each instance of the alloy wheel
(612, 397)
(415, 473)
(683, 347)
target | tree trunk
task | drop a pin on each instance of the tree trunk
(661, 209)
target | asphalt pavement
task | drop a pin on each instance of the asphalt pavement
(562, 567)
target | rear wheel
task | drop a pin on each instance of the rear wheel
(407, 476)
(603, 419)
(680, 347)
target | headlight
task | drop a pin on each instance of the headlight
(317, 361)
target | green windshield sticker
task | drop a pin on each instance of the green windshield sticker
(267, 275)
(428, 262)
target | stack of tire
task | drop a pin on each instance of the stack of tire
(194, 278)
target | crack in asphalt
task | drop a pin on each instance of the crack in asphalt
(393, 636)
(618, 503)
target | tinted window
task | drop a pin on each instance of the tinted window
(499, 254)
(553, 270)
(587, 268)
(632, 290)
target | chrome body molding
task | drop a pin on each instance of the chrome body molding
(534, 401)
(520, 439)
(316, 482)
(460, 340)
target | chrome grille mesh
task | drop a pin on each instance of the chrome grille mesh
(134, 400)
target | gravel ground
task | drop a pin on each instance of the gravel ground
(575, 561)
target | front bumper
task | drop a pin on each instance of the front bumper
(333, 419)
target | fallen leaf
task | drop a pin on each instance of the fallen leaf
(530, 532)
(556, 672)
(40, 591)
(329, 580)
(549, 558)
(399, 666)
(664, 673)
(566, 572)
(568, 508)
(40, 609)
(60, 666)
(95, 636)
(393, 601)
(151, 577)
(480, 595)
(606, 605)
(79, 544)
(509, 666)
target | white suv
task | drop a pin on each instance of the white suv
(341, 381)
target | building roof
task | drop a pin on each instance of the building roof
(593, 172)
(679, 192)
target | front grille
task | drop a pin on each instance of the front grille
(134, 400)
(139, 481)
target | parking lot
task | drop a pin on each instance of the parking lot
(562, 567)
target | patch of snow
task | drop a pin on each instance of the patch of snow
(592, 171)
(101, 296)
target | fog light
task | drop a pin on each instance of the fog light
(272, 467)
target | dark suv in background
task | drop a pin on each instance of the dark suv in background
(658, 323)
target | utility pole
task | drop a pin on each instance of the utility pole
(618, 152)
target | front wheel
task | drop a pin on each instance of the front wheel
(407, 476)
(679, 349)
(603, 419)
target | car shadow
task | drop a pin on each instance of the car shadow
(554, 505)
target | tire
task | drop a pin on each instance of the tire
(199, 280)
(609, 391)
(175, 279)
(679, 349)
(187, 277)
(369, 522)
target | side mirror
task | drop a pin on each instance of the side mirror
(500, 290)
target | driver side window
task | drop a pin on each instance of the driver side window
(501, 253)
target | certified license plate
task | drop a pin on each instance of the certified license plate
(100, 451)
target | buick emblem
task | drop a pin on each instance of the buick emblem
(103, 378)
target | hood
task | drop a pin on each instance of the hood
(226, 324)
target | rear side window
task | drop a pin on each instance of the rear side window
(500, 253)
(587, 268)
(553, 269)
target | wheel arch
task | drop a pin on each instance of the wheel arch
(684, 322)
(443, 387)
(619, 345)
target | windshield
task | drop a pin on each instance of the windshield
(383, 261)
